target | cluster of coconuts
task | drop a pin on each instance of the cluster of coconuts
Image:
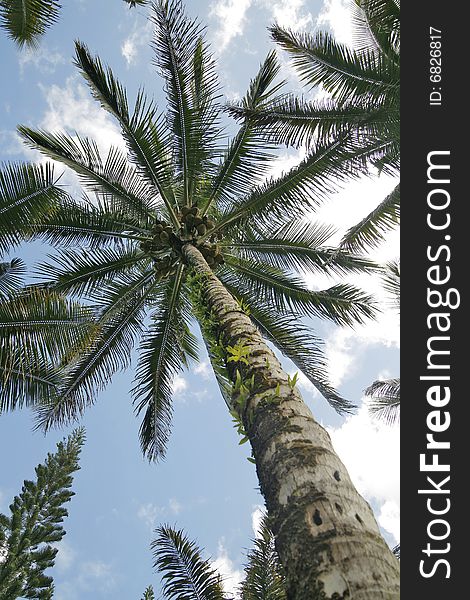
(163, 239)
(196, 225)
(193, 223)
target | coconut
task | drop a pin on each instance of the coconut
(201, 229)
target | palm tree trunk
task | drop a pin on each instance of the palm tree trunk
(326, 534)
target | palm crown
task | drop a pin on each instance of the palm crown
(175, 186)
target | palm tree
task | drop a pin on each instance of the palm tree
(185, 574)
(37, 325)
(363, 108)
(26, 21)
(180, 228)
(385, 394)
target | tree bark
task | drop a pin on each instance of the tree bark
(326, 534)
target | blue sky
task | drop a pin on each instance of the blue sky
(205, 485)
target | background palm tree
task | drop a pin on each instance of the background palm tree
(26, 21)
(180, 228)
(37, 325)
(384, 395)
(185, 574)
(362, 111)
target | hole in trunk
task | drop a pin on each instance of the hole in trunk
(316, 517)
(338, 508)
(359, 519)
(336, 476)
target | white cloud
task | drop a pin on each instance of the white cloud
(256, 519)
(203, 369)
(97, 576)
(370, 451)
(65, 557)
(231, 576)
(149, 513)
(389, 518)
(290, 14)
(175, 506)
(179, 384)
(43, 59)
(94, 576)
(231, 17)
(72, 108)
(139, 38)
(336, 14)
(342, 353)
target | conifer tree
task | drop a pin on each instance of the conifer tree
(35, 523)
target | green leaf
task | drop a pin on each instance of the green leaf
(369, 232)
(185, 64)
(264, 576)
(90, 367)
(27, 20)
(343, 72)
(144, 130)
(11, 276)
(165, 349)
(343, 304)
(85, 272)
(119, 183)
(185, 574)
(385, 400)
(27, 194)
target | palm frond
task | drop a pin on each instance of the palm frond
(165, 349)
(264, 575)
(133, 4)
(27, 193)
(185, 574)
(297, 246)
(303, 348)
(25, 382)
(391, 281)
(11, 276)
(25, 21)
(385, 400)
(84, 272)
(144, 131)
(296, 122)
(113, 178)
(370, 231)
(183, 60)
(91, 366)
(86, 224)
(376, 26)
(302, 188)
(37, 328)
(41, 323)
(247, 158)
(343, 72)
(343, 303)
